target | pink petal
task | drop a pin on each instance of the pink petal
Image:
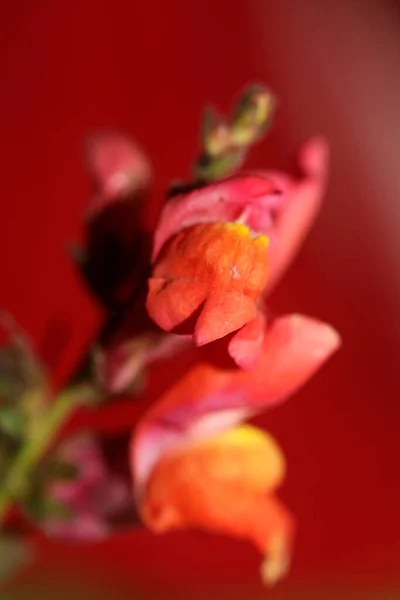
(294, 348)
(118, 166)
(273, 203)
(223, 201)
(246, 345)
(294, 221)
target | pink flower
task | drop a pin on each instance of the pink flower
(207, 288)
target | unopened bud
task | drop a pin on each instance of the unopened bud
(216, 134)
(253, 115)
(214, 168)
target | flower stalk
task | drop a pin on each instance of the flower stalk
(34, 448)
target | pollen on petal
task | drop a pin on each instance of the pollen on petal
(238, 228)
(261, 240)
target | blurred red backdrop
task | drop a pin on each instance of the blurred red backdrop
(147, 68)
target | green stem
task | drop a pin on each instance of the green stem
(34, 448)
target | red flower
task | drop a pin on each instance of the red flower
(217, 249)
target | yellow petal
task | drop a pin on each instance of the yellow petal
(244, 456)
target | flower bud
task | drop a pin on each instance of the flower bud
(213, 168)
(216, 136)
(252, 116)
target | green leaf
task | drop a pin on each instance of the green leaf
(22, 379)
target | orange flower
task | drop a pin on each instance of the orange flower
(227, 484)
(217, 269)
(219, 248)
(195, 465)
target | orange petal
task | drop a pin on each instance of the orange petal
(224, 485)
(223, 312)
(198, 479)
(217, 262)
(170, 304)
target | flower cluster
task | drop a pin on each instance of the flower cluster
(199, 282)
(218, 252)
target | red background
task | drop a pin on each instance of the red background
(147, 68)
